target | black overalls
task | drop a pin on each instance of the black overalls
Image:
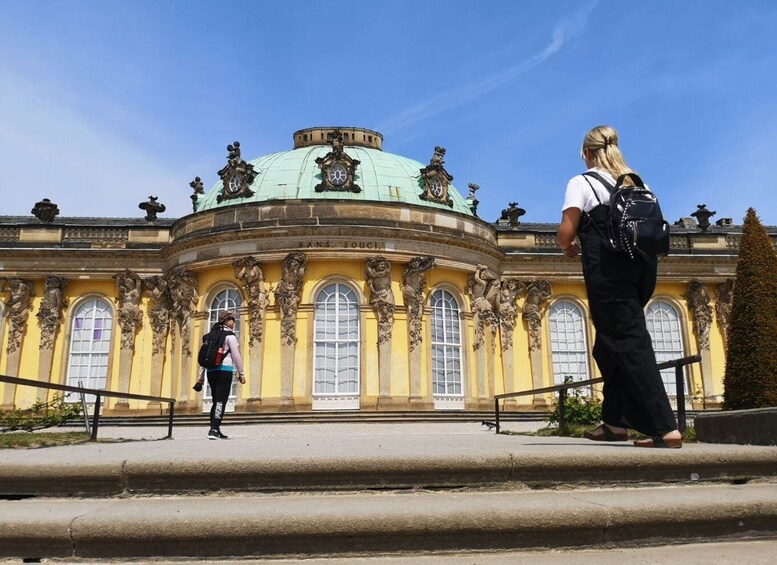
(618, 289)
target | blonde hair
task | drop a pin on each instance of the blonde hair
(602, 146)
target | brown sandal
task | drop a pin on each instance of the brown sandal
(658, 441)
(606, 435)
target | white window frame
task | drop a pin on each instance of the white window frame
(567, 318)
(96, 353)
(337, 399)
(662, 334)
(227, 299)
(446, 340)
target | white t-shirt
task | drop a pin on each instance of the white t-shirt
(579, 194)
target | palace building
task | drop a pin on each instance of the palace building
(362, 280)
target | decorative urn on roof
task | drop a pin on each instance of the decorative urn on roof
(152, 208)
(45, 211)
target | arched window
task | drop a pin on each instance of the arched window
(568, 344)
(90, 344)
(447, 381)
(336, 349)
(663, 323)
(228, 300)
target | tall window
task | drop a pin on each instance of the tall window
(228, 300)
(568, 344)
(663, 323)
(90, 344)
(336, 343)
(447, 379)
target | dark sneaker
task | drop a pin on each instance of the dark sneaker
(214, 434)
(219, 435)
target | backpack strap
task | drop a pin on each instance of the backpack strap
(599, 200)
(605, 183)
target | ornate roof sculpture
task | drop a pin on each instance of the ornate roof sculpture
(338, 169)
(436, 179)
(350, 156)
(237, 176)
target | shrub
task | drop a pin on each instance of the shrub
(40, 415)
(751, 357)
(579, 409)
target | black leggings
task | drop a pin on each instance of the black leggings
(220, 385)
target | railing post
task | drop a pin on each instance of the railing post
(496, 414)
(96, 418)
(562, 425)
(170, 421)
(680, 384)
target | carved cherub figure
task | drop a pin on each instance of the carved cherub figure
(439, 156)
(197, 186)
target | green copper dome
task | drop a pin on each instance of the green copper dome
(294, 174)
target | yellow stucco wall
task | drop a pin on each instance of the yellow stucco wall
(214, 279)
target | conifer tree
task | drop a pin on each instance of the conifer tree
(751, 357)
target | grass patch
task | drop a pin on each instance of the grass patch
(29, 440)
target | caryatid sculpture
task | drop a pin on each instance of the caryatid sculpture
(51, 308)
(510, 289)
(18, 309)
(157, 289)
(249, 272)
(183, 297)
(413, 284)
(483, 288)
(724, 299)
(287, 294)
(130, 317)
(378, 271)
(698, 299)
(537, 295)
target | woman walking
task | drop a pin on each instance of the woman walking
(220, 376)
(618, 289)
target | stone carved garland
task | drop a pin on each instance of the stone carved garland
(249, 272)
(287, 294)
(183, 297)
(130, 317)
(157, 289)
(483, 287)
(698, 299)
(413, 284)
(510, 290)
(724, 299)
(51, 308)
(18, 308)
(537, 295)
(378, 271)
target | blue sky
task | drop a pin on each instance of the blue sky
(104, 103)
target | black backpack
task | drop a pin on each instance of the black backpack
(635, 224)
(212, 349)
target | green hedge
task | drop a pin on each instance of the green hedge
(751, 356)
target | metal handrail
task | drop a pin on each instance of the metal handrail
(98, 393)
(678, 364)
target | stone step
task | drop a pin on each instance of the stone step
(185, 467)
(372, 523)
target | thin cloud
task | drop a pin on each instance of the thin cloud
(563, 33)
